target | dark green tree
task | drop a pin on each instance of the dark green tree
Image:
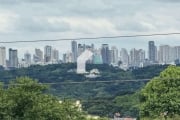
(161, 96)
(25, 99)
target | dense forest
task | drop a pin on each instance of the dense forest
(98, 98)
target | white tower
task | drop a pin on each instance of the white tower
(81, 61)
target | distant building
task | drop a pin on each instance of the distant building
(3, 56)
(13, 58)
(114, 56)
(164, 54)
(105, 53)
(74, 51)
(137, 57)
(94, 73)
(177, 52)
(133, 57)
(67, 57)
(152, 51)
(47, 54)
(141, 55)
(117, 116)
(27, 58)
(55, 55)
(124, 58)
(81, 49)
(38, 56)
(90, 47)
(97, 58)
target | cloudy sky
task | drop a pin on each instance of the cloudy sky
(54, 19)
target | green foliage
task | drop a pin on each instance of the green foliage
(149, 71)
(161, 96)
(24, 99)
(66, 73)
(127, 105)
(103, 92)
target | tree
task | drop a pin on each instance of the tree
(161, 96)
(25, 99)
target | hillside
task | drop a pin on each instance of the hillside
(64, 73)
(98, 98)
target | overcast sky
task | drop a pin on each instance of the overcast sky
(54, 19)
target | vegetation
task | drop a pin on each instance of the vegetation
(160, 98)
(66, 73)
(126, 105)
(24, 99)
(97, 98)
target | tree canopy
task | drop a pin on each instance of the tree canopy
(25, 99)
(161, 96)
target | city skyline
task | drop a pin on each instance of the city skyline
(90, 18)
(125, 44)
(106, 53)
(128, 43)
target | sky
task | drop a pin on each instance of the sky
(57, 19)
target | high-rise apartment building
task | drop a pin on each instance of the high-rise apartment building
(67, 57)
(55, 55)
(152, 51)
(38, 56)
(97, 57)
(141, 55)
(74, 50)
(177, 52)
(137, 57)
(13, 58)
(3, 56)
(114, 55)
(81, 49)
(105, 53)
(48, 54)
(133, 58)
(90, 47)
(27, 58)
(164, 54)
(124, 58)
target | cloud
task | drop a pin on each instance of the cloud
(52, 19)
(7, 20)
(169, 1)
(90, 25)
(12, 2)
(41, 25)
(82, 25)
(92, 16)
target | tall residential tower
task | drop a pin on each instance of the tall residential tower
(3, 56)
(152, 51)
(13, 58)
(105, 53)
(47, 54)
(74, 50)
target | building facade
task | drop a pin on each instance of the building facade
(27, 58)
(3, 56)
(152, 51)
(38, 56)
(47, 54)
(13, 58)
(74, 51)
(105, 53)
(114, 56)
(124, 58)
